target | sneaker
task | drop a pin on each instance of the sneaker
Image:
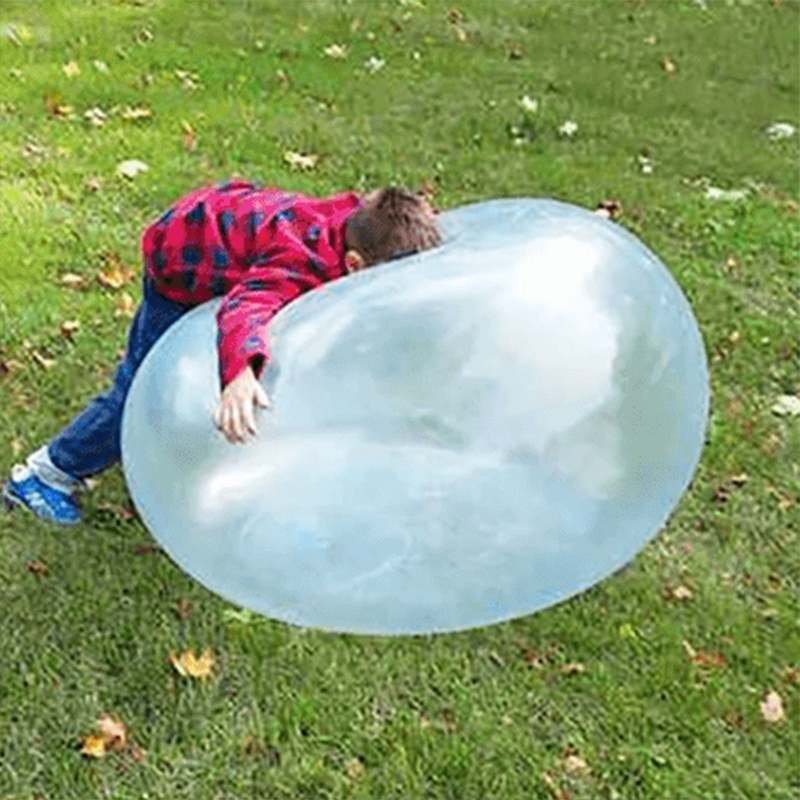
(42, 499)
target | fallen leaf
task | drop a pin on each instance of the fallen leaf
(787, 405)
(455, 16)
(791, 675)
(552, 786)
(100, 66)
(137, 754)
(298, 161)
(130, 169)
(646, 165)
(336, 51)
(572, 668)
(356, 26)
(42, 361)
(189, 137)
(568, 129)
(125, 306)
(70, 328)
(613, 208)
(136, 113)
(37, 568)
(55, 106)
(96, 116)
(191, 667)
(373, 64)
(17, 445)
(71, 281)
(71, 69)
(355, 769)
(781, 130)
(93, 184)
(679, 593)
(184, 609)
(115, 275)
(702, 658)
(669, 65)
(114, 732)
(575, 765)
(10, 367)
(772, 707)
(94, 745)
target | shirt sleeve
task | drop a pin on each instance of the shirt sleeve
(245, 313)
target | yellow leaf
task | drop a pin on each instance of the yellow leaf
(336, 51)
(115, 274)
(71, 69)
(298, 161)
(191, 667)
(669, 65)
(94, 746)
(125, 306)
(71, 281)
(575, 765)
(44, 363)
(136, 113)
(572, 668)
(130, 169)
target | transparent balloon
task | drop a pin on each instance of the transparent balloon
(457, 438)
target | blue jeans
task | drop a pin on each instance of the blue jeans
(91, 442)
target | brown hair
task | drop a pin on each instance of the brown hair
(398, 223)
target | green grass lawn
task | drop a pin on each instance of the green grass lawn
(651, 684)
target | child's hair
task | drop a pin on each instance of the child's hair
(399, 223)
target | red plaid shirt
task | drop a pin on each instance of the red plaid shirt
(259, 249)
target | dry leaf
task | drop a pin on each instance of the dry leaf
(125, 306)
(17, 446)
(669, 65)
(9, 368)
(136, 113)
(37, 568)
(791, 675)
(787, 405)
(71, 281)
(679, 593)
(184, 609)
(555, 790)
(575, 765)
(130, 169)
(191, 667)
(298, 161)
(702, 658)
(70, 328)
(71, 69)
(96, 116)
(772, 707)
(612, 208)
(55, 106)
(355, 769)
(94, 745)
(189, 137)
(114, 733)
(572, 668)
(42, 361)
(100, 66)
(115, 275)
(356, 26)
(336, 51)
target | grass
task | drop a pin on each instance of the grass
(90, 615)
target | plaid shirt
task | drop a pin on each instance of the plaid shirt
(259, 249)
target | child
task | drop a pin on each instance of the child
(257, 249)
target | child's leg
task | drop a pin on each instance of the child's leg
(91, 442)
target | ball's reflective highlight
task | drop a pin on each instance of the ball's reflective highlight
(458, 438)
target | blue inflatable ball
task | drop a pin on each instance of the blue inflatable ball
(457, 438)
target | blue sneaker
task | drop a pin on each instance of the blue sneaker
(43, 500)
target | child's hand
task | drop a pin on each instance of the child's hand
(236, 414)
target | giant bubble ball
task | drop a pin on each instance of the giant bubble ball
(457, 438)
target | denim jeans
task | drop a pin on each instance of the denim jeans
(91, 442)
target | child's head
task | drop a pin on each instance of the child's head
(391, 223)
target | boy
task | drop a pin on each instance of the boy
(256, 248)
